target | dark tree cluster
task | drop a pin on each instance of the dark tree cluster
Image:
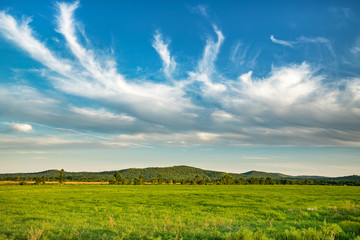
(226, 179)
(140, 180)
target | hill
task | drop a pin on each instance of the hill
(258, 174)
(175, 172)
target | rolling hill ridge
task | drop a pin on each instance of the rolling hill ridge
(175, 172)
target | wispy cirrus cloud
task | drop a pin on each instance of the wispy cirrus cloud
(23, 36)
(304, 40)
(212, 48)
(206, 66)
(291, 105)
(239, 53)
(111, 87)
(243, 57)
(100, 113)
(200, 9)
(343, 13)
(282, 42)
(162, 49)
(91, 78)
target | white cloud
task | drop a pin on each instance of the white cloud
(283, 88)
(26, 103)
(238, 54)
(292, 104)
(162, 49)
(222, 116)
(109, 86)
(96, 77)
(86, 57)
(303, 40)
(101, 114)
(206, 136)
(61, 142)
(187, 138)
(23, 36)
(206, 66)
(281, 42)
(21, 127)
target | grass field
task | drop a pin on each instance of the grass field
(179, 212)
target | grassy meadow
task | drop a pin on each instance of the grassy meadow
(179, 212)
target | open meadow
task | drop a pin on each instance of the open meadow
(179, 212)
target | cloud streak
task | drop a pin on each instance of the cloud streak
(206, 67)
(162, 49)
(281, 42)
(305, 40)
(23, 36)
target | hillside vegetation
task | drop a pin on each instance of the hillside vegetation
(176, 173)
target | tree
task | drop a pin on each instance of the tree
(137, 181)
(160, 179)
(308, 182)
(269, 181)
(197, 179)
(240, 181)
(183, 181)
(117, 179)
(253, 180)
(154, 180)
(112, 181)
(208, 180)
(62, 176)
(141, 179)
(38, 181)
(262, 181)
(117, 176)
(124, 181)
(226, 179)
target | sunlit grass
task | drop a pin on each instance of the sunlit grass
(176, 211)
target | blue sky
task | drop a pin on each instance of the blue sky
(232, 86)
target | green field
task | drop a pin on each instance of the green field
(179, 212)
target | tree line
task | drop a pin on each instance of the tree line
(225, 179)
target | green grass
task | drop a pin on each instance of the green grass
(179, 212)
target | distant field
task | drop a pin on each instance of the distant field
(55, 183)
(179, 212)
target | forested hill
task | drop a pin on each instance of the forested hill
(176, 173)
(258, 174)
